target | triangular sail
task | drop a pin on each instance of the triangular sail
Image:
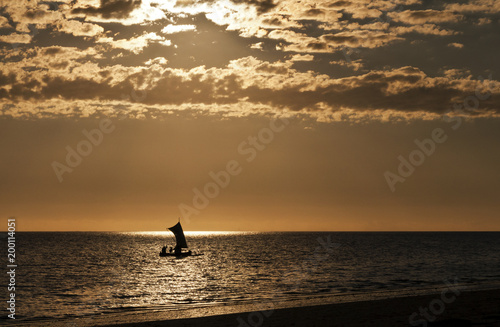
(179, 235)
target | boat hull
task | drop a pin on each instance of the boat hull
(181, 255)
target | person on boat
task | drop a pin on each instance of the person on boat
(177, 250)
(164, 250)
(170, 250)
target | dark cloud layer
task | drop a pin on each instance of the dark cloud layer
(262, 5)
(110, 9)
(406, 90)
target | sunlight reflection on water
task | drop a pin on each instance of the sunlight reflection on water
(91, 273)
(191, 233)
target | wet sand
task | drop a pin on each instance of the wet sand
(475, 308)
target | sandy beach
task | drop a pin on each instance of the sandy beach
(454, 308)
(469, 309)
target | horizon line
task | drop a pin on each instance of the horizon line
(258, 231)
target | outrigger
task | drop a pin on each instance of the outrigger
(181, 243)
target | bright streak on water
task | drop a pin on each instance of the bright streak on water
(189, 233)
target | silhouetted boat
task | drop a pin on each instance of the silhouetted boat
(181, 243)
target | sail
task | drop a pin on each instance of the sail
(179, 235)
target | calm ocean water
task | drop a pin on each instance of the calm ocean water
(75, 274)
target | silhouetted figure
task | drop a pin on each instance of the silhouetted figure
(177, 250)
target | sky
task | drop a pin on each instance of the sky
(124, 115)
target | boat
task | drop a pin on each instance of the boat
(181, 243)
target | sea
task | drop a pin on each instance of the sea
(77, 274)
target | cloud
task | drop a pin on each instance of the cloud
(363, 13)
(34, 63)
(124, 12)
(248, 85)
(28, 15)
(456, 45)
(458, 74)
(79, 29)
(109, 9)
(331, 42)
(4, 22)
(483, 21)
(360, 38)
(424, 16)
(258, 46)
(299, 57)
(171, 29)
(16, 38)
(486, 6)
(261, 5)
(381, 78)
(354, 64)
(135, 44)
(429, 29)
(157, 61)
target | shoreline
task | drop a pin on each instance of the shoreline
(468, 309)
(466, 306)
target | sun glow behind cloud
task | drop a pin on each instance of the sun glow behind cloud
(305, 57)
